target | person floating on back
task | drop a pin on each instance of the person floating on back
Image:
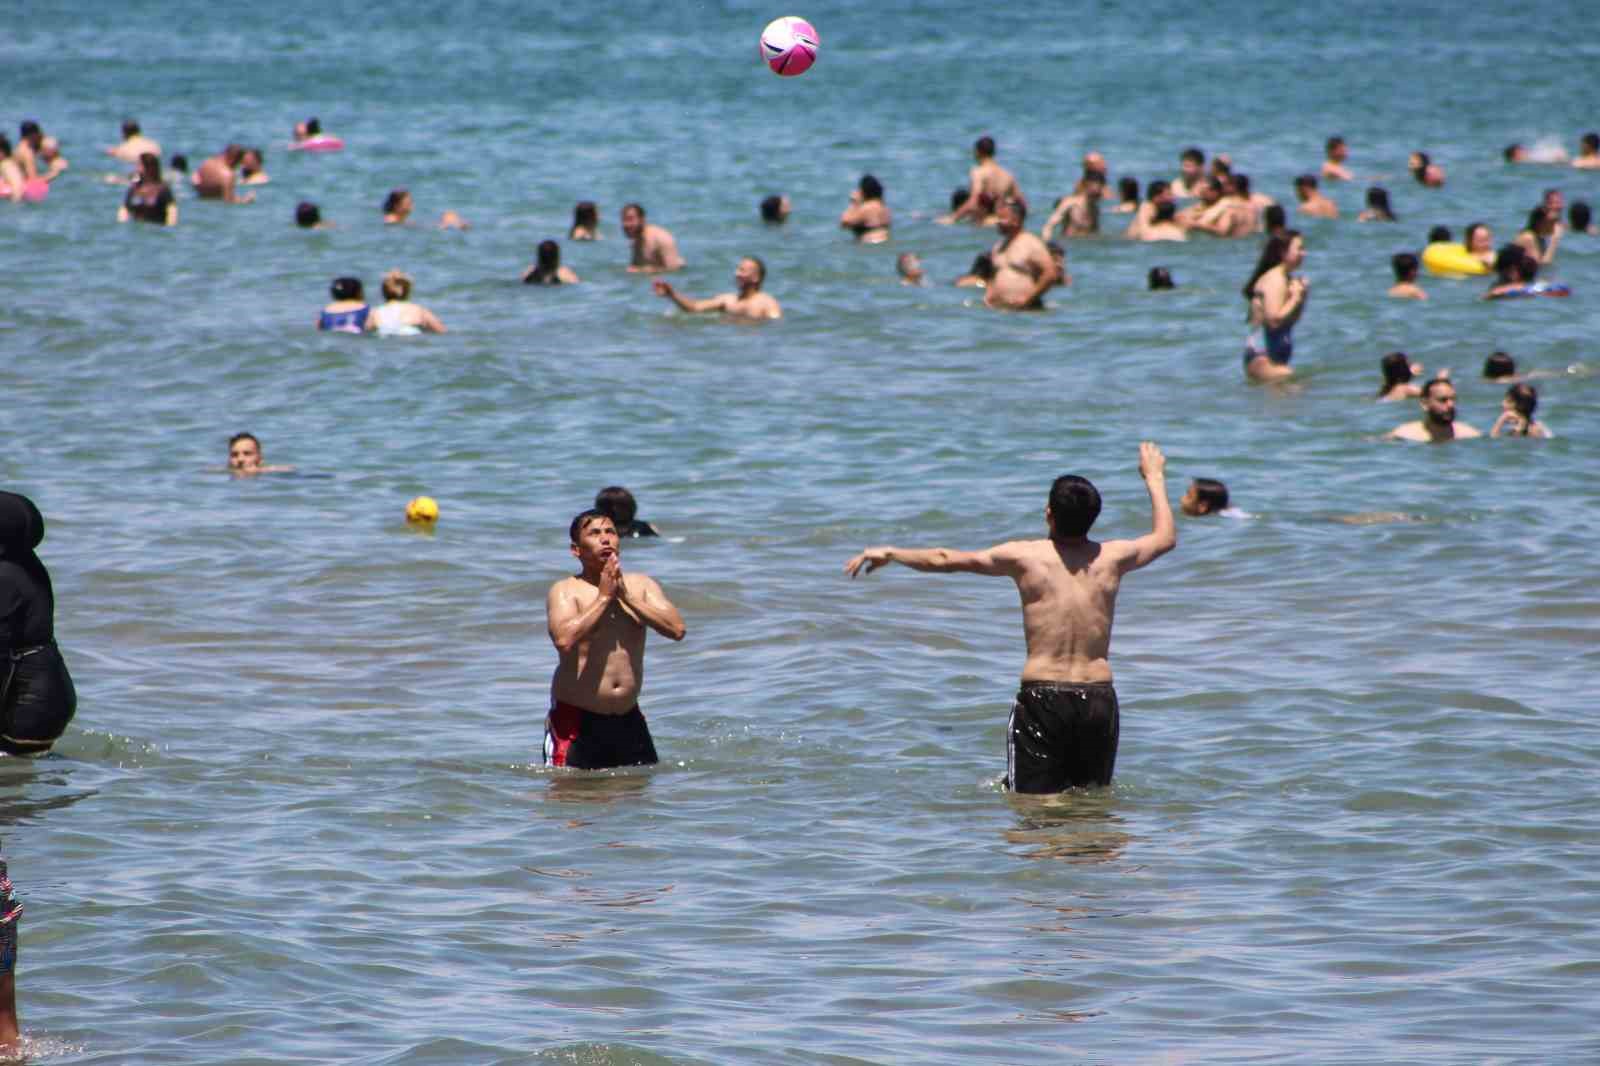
(1064, 724)
(597, 622)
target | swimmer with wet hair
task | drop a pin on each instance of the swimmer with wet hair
(1128, 195)
(990, 185)
(910, 269)
(1335, 152)
(1579, 219)
(1398, 370)
(775, 210)
(397, 316)
(1205, 496)
(585, 222)
(1438, 422)
(1312, 202)
(1499, 367)
(1405, 287)
(618, 502)
(1191, 170)
(1516, 414)
(547, 268)
(1160, 279)
(1426, 171)
(397, 207)
(1274, 221)
(1163, 224)
(1377, 209)
(308, 215)
(245, 458)
(1064, 722)
(1588, 152)
(867, 216)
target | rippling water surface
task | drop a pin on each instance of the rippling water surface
(300, 816)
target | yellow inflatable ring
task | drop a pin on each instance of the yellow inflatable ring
(1451, 261)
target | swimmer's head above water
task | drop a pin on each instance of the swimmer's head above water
(244, 453)
(1073, 507)
(347, 289)
(1205, 496)
(775, 210)
(1499, 366)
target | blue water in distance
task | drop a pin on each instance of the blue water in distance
(300, 816)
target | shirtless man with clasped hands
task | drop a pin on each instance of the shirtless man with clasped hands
(597, 622)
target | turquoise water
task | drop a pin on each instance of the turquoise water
(300, 816)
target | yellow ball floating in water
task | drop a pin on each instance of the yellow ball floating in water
(422, 511)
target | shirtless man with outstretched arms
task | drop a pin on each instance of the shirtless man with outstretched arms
(747, 301)
(1064, 723)
(597, 622)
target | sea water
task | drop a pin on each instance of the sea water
(301, 816)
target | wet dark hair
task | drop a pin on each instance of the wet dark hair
(982, 266)
(1499, 365)
(583, 519)
(772, 209)
(1527, 268)
(1074, 505)
(180, 163)
(1272, 254)
(1427, 390)
(1578, 215)
(1213, 493)
(1405, 266)
(585, 213)
(1166, 211)
(1422, 164)
(637, 207)
(1241, 185)
(313, 127)
(1525, 398)
(347, 289)
(1156, 188)
(1128, 189)
(1590, 141)
(1507, 262)
(29, 128)
(1396, 369)
(1221, 167)
(871, 188)
(149, 167)
(307, 214)
(549, 255)
(130, 128)
(761, 269)
(5, 146)
(1511, 152)
(1194, 155)
(984, 145)
(1538, 217)
(1160, 278)
(1466, 234)
(617, 504)
(1332, 143)
(237, 437)
(1305, 181)
(1378, 200)
(959, 197)
(1439, 234)
(1274, 217)
(391, 203)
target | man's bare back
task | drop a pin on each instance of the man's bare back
(1068, 585)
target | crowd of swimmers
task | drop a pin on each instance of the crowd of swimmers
(598, 618)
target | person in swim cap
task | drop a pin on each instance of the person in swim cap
(37, 698)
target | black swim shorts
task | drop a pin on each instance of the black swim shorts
(585, 740)
(1061, 735)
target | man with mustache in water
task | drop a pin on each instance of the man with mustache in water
(1438, 422)
(1023, 266)
(1064, 724)
(597, 622)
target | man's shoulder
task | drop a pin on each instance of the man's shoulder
(1409, 431)
(1464, 431)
